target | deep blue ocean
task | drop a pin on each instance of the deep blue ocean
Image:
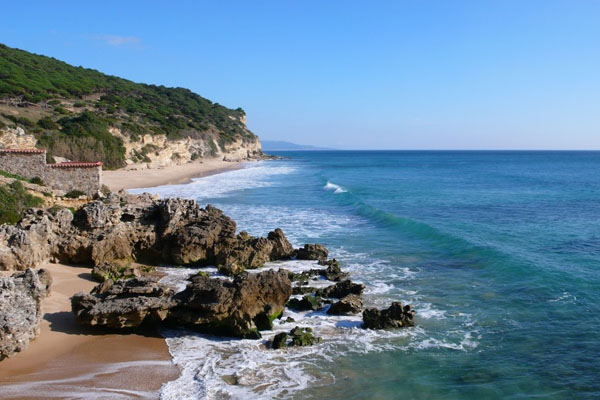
(499, 253)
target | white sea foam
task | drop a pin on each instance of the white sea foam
(254, 175)
(223, 368)
(337, 189)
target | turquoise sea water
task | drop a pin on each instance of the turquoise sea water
(499, 252)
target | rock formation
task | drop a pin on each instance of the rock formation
(20, 309)
(240, 308)
(396, 316)
(124, 228)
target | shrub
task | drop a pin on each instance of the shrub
(74, 194)
(37, 181)
(14, 200)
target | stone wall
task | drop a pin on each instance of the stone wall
(66, 176)
(86, 177)
(26, 163)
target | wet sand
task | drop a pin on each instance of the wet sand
(69, 361)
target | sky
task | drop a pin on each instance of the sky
(350, 74)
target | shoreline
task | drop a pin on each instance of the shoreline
(67, 360)
(171, 175)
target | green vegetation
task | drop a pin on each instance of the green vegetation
(14, 200)
(85, 137)
(13, 176)
(67, 94)
(74, 194)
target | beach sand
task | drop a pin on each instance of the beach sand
(174, 174)
(70, 361)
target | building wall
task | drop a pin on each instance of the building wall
(27, 165)
(86, 179)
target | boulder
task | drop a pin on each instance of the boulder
(306, 303)
(312, 252)
(396, 316)
(350, 304)
(21, 309)
(232, 308)
(124, 304)
(303, 337)
(341, 289)
(333, 272)
(279, 341)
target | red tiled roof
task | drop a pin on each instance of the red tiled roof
(76, 164)
(23, 151)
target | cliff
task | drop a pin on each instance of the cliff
(82, 114)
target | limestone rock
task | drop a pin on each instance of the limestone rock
(306, 303)
(124, 304)
(350, 304)
(232, 308)
(396, 316)
(342, 289)
(312, 252)
(20, 309)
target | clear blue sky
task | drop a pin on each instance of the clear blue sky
(356, 75)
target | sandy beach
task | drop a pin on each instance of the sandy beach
(70, 361)
(175, 174)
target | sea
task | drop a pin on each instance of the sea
(497, 251)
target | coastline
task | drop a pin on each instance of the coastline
(67, 360)
(173, 174)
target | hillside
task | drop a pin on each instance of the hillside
(83, 114)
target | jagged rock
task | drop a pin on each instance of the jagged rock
(123, 304)
(20, 309)
(396, 316)
(232, 308)
(282, 248)
(279, 341)
(97, 214)
(248, 252)
(333, 272)
(312, 252)
(303, 337)
(125, 228)
(305, 303)
(351, 304)
(342, 289)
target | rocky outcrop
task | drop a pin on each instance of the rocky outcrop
(396, 316)
(124, 304)
(341, 289)
(239, 308)
(21, 309)
(248, 252)
(123, 229)
(348, 305)
(312, 252)
(306, 303)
